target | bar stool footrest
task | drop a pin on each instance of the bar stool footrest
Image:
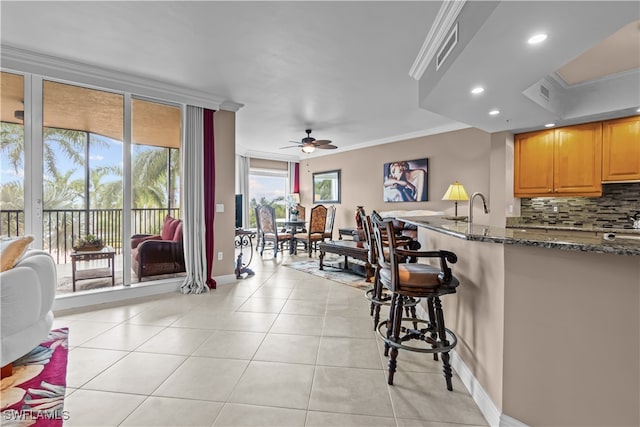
(386, 299)
(439, 348)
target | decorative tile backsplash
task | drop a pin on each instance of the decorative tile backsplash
(612, 210)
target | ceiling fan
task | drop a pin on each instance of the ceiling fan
(309, 144)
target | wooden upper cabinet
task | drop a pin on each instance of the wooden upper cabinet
(621, 149)
(577, 168)
(533, 164)
(559, 162)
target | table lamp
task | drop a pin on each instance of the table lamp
(456, 192)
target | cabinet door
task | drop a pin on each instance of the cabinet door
(621, 149)
(578, 160)
(533, 164)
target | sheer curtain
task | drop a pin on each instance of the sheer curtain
(242, 186)
(193, 202)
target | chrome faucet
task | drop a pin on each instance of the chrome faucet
(484, 205)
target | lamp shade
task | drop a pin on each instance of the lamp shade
(456, 192)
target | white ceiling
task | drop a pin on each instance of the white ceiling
(342, 68)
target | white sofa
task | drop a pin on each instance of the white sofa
(26, 300)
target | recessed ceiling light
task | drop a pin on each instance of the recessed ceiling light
(476, 90)
(549, 125)
(538, 38)
(494, 112)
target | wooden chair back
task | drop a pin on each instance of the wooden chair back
(266, 219)
(318, 219)
(331, 217)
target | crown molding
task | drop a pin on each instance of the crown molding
(445, 18)
(76, 72)
(231, 106)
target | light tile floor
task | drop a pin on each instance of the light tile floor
(281, 348)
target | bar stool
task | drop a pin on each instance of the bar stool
(377, 295)
(418, 281)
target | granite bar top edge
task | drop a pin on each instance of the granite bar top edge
(583, 240)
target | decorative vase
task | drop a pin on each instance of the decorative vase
(358, 220)
(294, 217)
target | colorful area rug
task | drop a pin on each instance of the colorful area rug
(34, 394)
(333, 270)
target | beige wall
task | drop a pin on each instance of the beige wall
(572, 337)
(224, 225)
(476, 312)
(462, 155)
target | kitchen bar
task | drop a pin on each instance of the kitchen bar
(547, 320)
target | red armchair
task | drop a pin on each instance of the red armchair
(159, 254)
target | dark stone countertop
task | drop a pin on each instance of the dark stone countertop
(626, 242)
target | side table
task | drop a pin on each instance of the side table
(107, 253)
(244, 239)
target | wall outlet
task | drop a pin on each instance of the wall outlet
(555, 209)
(219, 207)
(220, 256)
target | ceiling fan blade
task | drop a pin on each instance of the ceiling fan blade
(326, 147)
(290, 146)
(322, 142)
(295, 142)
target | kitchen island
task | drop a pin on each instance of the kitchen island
(548, 321)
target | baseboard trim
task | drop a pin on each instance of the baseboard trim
(489, 409)
(507, 421)
(117, 294)
(123, 293)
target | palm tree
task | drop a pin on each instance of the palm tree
(71, 143)
(151, 176)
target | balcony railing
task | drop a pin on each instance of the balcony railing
(63, 227)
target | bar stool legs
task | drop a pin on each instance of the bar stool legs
(435, 333)
(446, 366)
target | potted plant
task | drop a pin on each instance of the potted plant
(89, 243)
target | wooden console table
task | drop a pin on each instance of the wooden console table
(348, 248)
(107, 253)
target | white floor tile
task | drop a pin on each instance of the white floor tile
(234, 414)
(139, 373)
(280, 348)
(203, 378)
(164, 411)
(275, 384)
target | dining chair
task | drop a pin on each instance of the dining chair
(331, 217)
(315, 231)
(267, 230)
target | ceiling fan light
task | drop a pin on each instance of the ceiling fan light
(308, 149)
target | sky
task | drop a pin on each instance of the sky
(109, 153)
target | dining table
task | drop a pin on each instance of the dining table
(295, 226)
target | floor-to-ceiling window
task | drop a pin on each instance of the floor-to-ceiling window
(82, 175)
(268, 184)
(71, 169)
(155, 166)
(12, 152)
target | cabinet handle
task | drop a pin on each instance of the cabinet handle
(549, 191)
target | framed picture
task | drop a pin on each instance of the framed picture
(405, 181)
(326, 187)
